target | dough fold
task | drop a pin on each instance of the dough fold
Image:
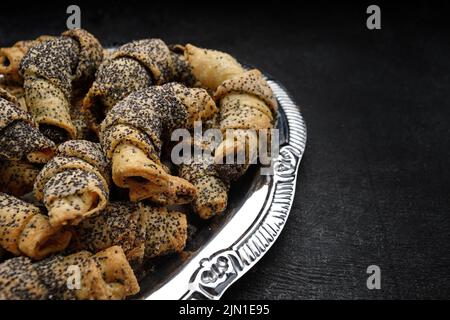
(134, 66)
(49, 69)
(106, 275)
(132, 133)
(10, 58)
(247, 107)
(25, 230)
(75, 183)
(212, 190)
(19, 137)
(143, 231)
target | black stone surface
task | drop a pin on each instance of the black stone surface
(374, 181)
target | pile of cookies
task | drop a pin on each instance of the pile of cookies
(87, 132)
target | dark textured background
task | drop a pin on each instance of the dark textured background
(374, 182)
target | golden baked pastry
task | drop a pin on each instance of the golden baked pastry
(134, 66)
(49, 69)
(143, 231)
(25, 230)
(131, 137)
(212, 189)
(10, 57)
(247, 105)
(19, 137)
(74, 184)
(106, 275)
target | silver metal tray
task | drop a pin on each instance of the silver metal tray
(257, 212)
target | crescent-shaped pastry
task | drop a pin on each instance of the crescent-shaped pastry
(75, 183)
(247, 105)
(212, 190)
(25, 230)
(211, 67)
(10, 57)
(134, 66)
(143, 231)
(131, 136)
(106, 275)
(49, 69)
(19, 138)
